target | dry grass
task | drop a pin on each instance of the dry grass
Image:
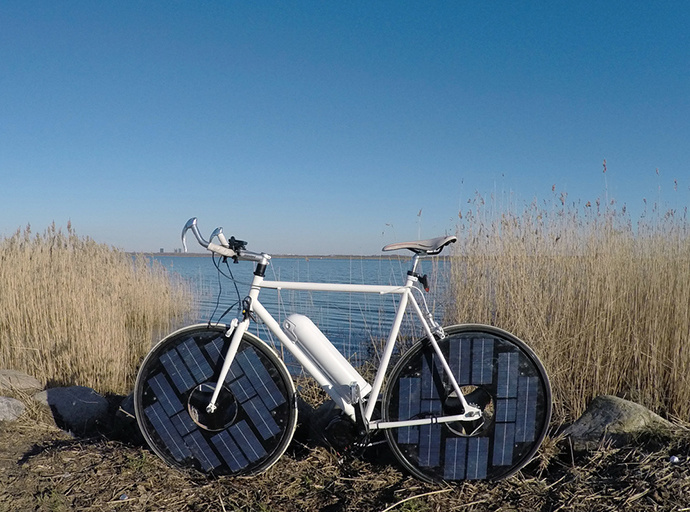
(100, 474)
(604, 302)
(76, 312)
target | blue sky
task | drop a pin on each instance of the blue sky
(325, 127)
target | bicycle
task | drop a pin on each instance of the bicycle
(465, 402)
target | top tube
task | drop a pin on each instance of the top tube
(333, 287)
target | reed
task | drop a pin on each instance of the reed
(76, 312)
(603, 301)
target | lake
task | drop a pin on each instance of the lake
(356, 323)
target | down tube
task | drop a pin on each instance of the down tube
(305, 361)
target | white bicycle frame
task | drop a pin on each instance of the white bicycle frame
(345, 402)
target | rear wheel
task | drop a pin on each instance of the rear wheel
(256, 414)
(496, 372)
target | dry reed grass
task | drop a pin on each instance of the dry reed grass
(604, 302)
(76, 312)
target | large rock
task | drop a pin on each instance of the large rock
(10, 409)
(614, 421)
(125, 422)
(76, 408)
(12, 380)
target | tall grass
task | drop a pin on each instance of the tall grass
(76, 312)
(604, 302)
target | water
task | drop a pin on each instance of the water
(356, 323)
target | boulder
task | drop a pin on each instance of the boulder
(613, 421)
(13, 380)
(78, 409)
(125, 422)
(10, 409)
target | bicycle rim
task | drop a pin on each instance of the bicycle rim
(257, 411)
(496, 372)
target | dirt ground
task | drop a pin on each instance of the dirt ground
(43, 468)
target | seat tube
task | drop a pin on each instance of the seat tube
(390, 343)
(387, 352)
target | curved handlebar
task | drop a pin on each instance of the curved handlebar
(223, 250)
(191, 224)
(221, 237)
(232, 248)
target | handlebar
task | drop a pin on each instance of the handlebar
(232, 248)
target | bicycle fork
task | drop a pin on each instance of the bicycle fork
(237, 333)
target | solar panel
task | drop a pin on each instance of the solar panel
(507, 374)
(409, 407)
(214, 349)
(183, 423)
(429, 445)
(430, 377)
(202, 451)
(526, 409)
(460, 360)
(506, 409)
(482, 359)
(229, 451)
(261, 418)
(170, 437)
(259, 378)
(252, 448)
(242, 389)
(455, 458)
(195, 360)
(504, 440)
(165, 394)
(430, 407)
(177, 371)
(477, 457)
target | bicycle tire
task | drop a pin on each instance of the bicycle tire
(496, 371)
(257, 409)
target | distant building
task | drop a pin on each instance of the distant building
(162, 250)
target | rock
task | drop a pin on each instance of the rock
(10, 409)
(76, 408)
(12, 380)
(125, 422)
(612, 420)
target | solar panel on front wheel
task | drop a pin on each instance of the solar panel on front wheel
(253, 422)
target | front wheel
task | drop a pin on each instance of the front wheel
(256, 414)
(496, 372)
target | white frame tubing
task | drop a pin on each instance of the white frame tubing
(405, 291)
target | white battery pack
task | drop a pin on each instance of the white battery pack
(314, 343)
